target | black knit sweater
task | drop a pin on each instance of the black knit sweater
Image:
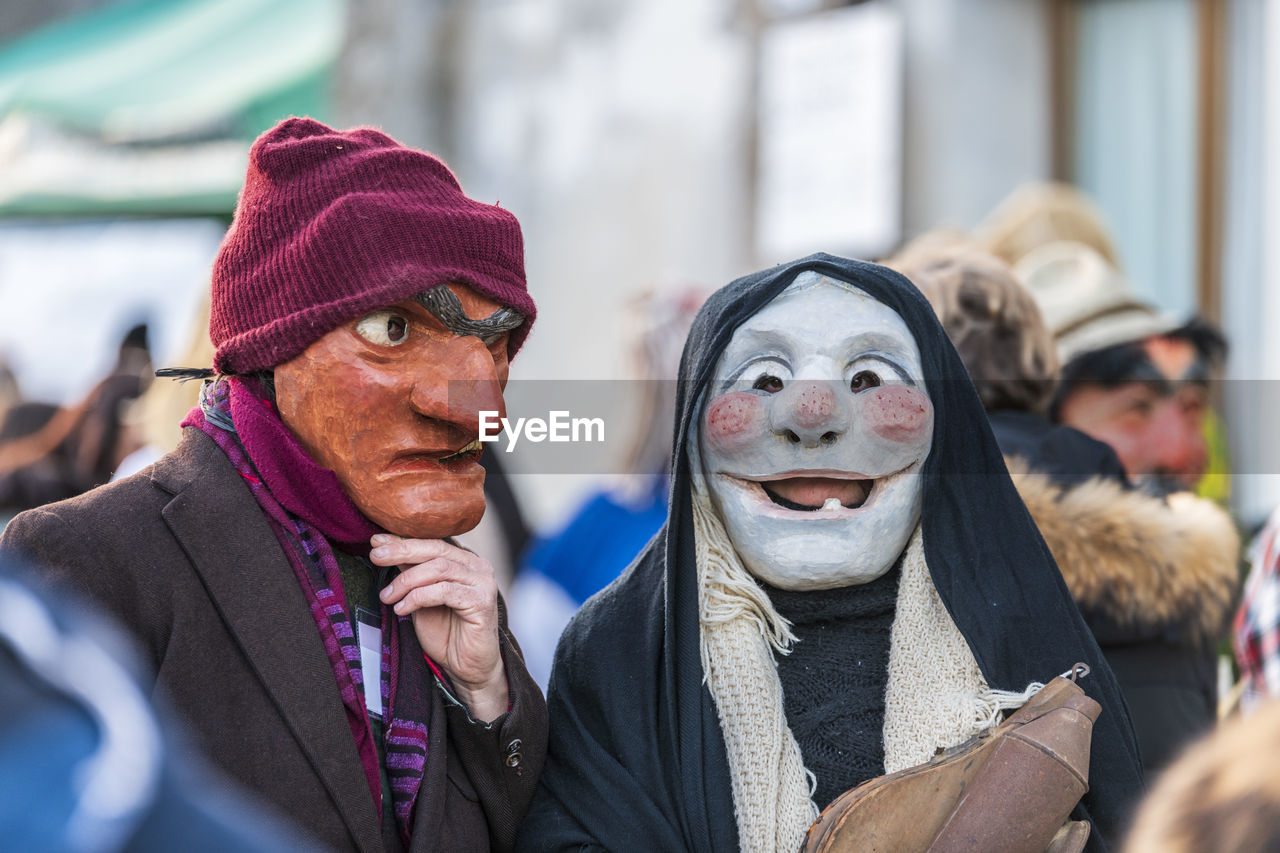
(833, 682)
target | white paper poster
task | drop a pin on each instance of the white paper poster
(830, 134)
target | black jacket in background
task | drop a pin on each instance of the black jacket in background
(1155, 578)
(1068, 456)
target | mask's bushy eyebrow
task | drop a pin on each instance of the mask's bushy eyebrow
(445, 306)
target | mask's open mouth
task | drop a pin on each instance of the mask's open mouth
(809, 494)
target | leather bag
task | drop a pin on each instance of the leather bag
(1007, 790)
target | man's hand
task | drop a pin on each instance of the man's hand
(453, 597)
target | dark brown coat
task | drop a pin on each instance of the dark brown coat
(182, 555)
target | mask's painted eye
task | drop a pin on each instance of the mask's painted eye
(864, 379)
(873, 371)
(769, 383)
(768, 374)
(384, 328)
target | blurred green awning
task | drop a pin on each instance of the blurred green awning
(147, 106)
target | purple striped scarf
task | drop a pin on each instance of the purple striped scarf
(307, 508)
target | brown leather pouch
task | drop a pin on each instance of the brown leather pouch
(1009, 790)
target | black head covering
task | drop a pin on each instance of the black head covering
(637, 759)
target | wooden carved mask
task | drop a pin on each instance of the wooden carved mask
(390, 402)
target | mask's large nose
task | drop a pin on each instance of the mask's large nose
(456, 391)
(809, 413)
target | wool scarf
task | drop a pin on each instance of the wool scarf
(308, 510)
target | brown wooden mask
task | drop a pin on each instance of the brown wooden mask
(390, 402)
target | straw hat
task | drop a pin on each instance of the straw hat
(1086, 302)
(1037, 214)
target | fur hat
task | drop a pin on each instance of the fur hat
(333, 224)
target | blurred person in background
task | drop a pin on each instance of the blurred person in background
(156, 415)
(613, 524)
(1221, 796)
(288, 569)
(10, 393)
(1036, 214)
(51, 453)
(30, 475)
(1131, 377)
(1154, 578)
(86, 763)
(998, 331)
(1255, 635)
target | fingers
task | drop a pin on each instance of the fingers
(460, 598)
(452, 595)
(436, 574)
(442, 571)
(391, 550)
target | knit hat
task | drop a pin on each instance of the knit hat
(1086, 302)
(333, 224)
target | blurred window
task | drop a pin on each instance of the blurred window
(1134, 137)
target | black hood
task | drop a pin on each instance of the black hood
(630, 713)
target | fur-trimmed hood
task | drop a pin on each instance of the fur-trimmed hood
(1154, 566)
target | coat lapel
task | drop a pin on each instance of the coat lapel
(231, 545)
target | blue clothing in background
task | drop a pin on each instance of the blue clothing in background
(560, 572)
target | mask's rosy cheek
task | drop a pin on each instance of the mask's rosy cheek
(734, 421)
(899, 414)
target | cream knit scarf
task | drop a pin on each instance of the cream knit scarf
(936, 695)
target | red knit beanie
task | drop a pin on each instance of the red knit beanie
(331, 225)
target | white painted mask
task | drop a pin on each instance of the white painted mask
(813, 435)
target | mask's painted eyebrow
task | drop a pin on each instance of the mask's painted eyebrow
(748, 345)
(445, 306)
(735, 376)
(897, 365)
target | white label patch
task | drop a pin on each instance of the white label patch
(369, 637)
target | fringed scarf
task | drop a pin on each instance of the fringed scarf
(936, 695)
(307, 510)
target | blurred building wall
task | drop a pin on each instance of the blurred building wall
(1135, 142)
(621, 132)
(397, 69)
(20, 16)
(1250, 274)
(977, 106)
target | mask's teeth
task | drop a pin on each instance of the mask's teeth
(474, 445)
(832, 503)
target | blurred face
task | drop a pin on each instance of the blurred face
(814, 434)
(390, 403)
(1154, 425)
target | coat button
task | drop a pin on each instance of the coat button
(513, 753)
